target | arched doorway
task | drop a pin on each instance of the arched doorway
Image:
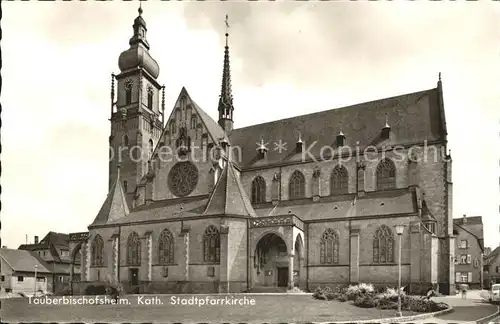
(271, 261)
(75, 269)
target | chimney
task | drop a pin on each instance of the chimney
(36, 239)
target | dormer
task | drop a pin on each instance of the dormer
(299, 145)
(386, 130)
(262, 149)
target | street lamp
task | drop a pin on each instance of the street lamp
(399, 232)
(34, 292)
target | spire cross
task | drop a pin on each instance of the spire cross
(227, 27)
(140, 7)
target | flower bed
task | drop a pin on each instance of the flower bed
(365, 296)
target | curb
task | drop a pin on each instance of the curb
(487, 318)
(402, 319)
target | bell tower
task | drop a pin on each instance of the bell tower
(136, 116)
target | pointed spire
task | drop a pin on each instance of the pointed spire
(300, 138)
(386, 121)
(226, 98)
(340, 132)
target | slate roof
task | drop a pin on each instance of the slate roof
(160, 210)
(476, 233)
(413, 118)
(228, 196)
(398, 201)
(114, 207)
(490, 258)
(52, 241)
(23, 261)
(468, 220)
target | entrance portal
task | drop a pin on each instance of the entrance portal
(282, 276)
(270, 264)
(134, 276)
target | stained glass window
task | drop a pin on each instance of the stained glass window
(166, 247)
(297, 185)
(339, 182)
(133, 249)
(211, 245)
(97, 251)
(386, 175)
(383, 243)
(258, 190)
(329, 247)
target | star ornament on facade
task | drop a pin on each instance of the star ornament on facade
(280, 146)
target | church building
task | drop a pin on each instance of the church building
(198, 206)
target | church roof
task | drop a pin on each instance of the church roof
(114, 207)
(413, 118)
(228, 196)
(388, 202)
(162, 210)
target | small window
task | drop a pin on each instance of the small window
(40, 279)
(128, 96)
(20, 278)
(2, 278)
(61, 279)
(150, 100)
(463, 259)
(125, 186)
(464, 277)
(463, 244)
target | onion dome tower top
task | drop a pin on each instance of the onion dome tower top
(137, 56)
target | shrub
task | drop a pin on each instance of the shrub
(341, 298)
(322, 293)
(95, 290)
(365, 301)
(355, 291)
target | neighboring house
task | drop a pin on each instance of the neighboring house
(54, 250)
(469, 250)
(18, 269)
(492, 268)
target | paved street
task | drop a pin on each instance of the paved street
(465, 311)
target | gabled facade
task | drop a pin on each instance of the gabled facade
(469, 249)
(54, 250)
(492, 268)
(216, 208)
(18, 271)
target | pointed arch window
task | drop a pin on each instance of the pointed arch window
(386, 175)
(125, 141)
(258, 190)
(329, 249)
(383, 245)
(194, 121)
(125, 185)
(150, 98)
(297, 185)
(128, 91)
(133, 250)
(97, 251)
(211, 245)
(166, 247)
(339, 182)
(172, 127)
(151, 148)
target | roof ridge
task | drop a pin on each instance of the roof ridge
(339, 108)
(477, 238)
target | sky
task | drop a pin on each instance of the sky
(287, 59)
